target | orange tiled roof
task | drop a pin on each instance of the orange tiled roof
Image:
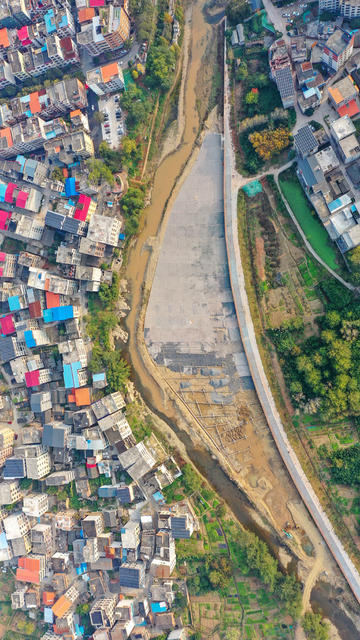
(25, 575)
(109, 71)
(336, 95)
(82, 397)
(61, 606)
(77, 112)
(35, 102)
(48, 597)
(32, 564)
(86, 13)
(4, 38)
(52, 300)
(6, 133)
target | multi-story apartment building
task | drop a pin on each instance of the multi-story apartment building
(106, 79)
(6, 437)
(18, 65)
(9, 492)
(93, 525)
(42, 539)
(51, 102)
(38, 467)
(16, 525)
(346, 8)
(118, 26)
(105, 32)
(102, 613)
(28, 135)
(35, 504)
(6, 75)
(337, 49)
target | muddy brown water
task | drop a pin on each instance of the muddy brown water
(165, 179)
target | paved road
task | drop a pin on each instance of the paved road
(256, 367)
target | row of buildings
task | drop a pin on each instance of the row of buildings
(38, 36)
(329, 166)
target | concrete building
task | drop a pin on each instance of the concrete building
(102, 613)
(9, 492)
(337, 49)
(39, 467)
(130, 535)
(106, 79)
(16, 525)
(35, 504)
(343, 95)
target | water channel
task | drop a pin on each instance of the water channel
(165, 179)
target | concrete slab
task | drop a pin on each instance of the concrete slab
(190, 323)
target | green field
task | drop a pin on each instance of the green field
(310, 224)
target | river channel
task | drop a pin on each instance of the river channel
(165, 179)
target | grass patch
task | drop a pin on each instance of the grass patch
(306, 217)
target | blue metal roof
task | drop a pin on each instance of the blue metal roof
(29, 339)
(14, 303)
(70, 187)
(58, 314)
(158, 607)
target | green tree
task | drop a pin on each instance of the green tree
(315, 627)
(160, 66)
(237, 11)
(99, 172)
(57, 174)
(252, 97)
(289, 591)
(354, 257)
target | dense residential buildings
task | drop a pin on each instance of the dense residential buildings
(70, 464)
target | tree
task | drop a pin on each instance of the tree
(99, 116)
(160, 66)
(135, 74)
(117, 371)
(270, 142)
(315, 627)
(190, 479)
(289, 590)
(128, 147)
(242, 72)
(99, 172)
(252, 97)
(354, 257)
(237, 11)
(57, 174)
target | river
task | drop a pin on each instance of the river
(166, 177)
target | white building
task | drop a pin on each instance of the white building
(35, 504)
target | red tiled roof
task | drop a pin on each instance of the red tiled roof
(21, 199)
(350, 109)
(7, 325)
(32, 378)
(52, 300)
(4, 219)
(35, 309)
(9, 191)
(82, 208)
